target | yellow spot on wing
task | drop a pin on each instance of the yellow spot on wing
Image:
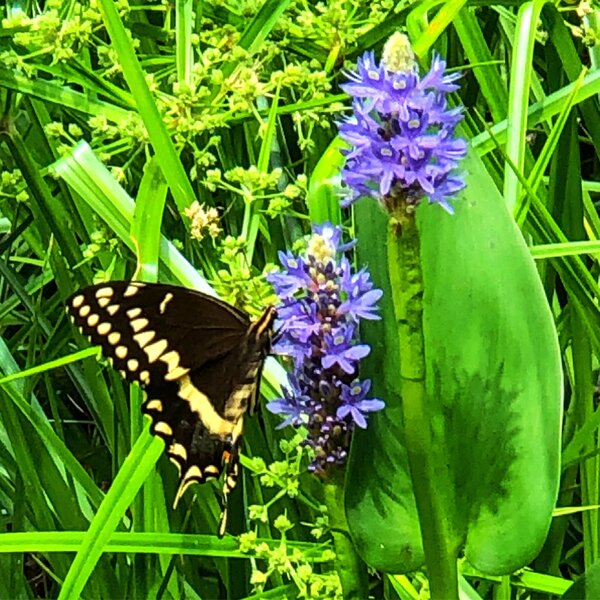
(114, 338)
(132, 290)
(93, 320)
(154, 405)
(84, 311)
(104, 292)
(162, 428)
(193, 472)
(174, 370)
(134, 313)
(139, 324)
(103, 302)
(178, 450)
(163, 304)
(154, 351)
(145, 377)
(121, 351)
(77, 301)
(176, 374)
(112, 310)
(144, 338)
(133, 364)
(104, 328)
(171, 358)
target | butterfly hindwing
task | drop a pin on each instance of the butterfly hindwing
(196, 451)
(198, 359)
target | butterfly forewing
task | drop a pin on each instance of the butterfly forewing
(198, 359)
(154, 331)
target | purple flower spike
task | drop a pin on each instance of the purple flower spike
(322, 302)
(401, 132)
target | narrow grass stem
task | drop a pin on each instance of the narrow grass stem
(351, 569)
(428, 484)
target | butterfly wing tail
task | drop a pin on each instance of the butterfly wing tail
(232, 467)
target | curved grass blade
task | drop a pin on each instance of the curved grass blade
(128, 481)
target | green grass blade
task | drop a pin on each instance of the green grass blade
(159, 136)
(125, 486)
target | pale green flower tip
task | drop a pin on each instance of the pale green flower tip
(398, 55)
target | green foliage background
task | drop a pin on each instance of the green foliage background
(116, 118)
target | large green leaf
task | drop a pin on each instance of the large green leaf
(380, 505)
(494, 396)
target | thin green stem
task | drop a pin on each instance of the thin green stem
(428, 484)
(351, 569)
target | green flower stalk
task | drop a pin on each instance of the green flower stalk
(403, 150)
(406, 281)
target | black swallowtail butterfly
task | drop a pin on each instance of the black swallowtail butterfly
(198, 359)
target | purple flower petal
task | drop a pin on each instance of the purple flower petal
(362, 306)
(370, 405)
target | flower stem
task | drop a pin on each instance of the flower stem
(351, 570)
(429, 478)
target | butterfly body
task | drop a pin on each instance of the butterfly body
(198, 359)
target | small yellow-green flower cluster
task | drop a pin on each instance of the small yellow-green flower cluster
(251, 183)
(101, 241)
(237, 283)
(204, 221)
(336, 23)
(12, 185)
(293, 564)
(284, 559)
(66, 137)
(130, 127)
(51, 33)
